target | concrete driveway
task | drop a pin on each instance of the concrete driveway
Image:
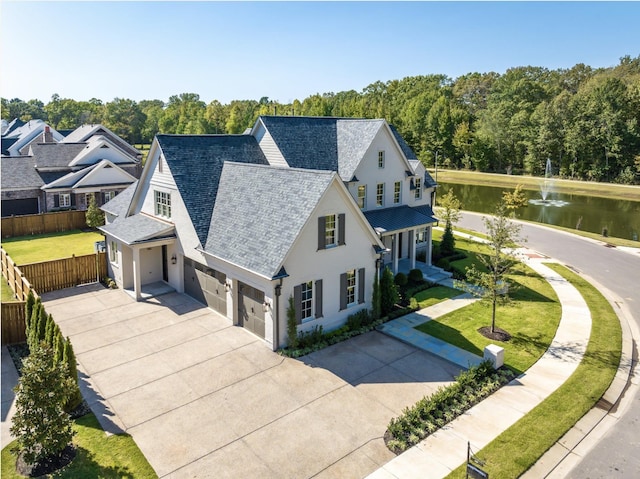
(204, 398)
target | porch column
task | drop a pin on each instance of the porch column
(412, 248)
(395, 252)
(427, 259)
(137, 288)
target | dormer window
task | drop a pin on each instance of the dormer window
(418, 191)
(381, 159)
(362, 196)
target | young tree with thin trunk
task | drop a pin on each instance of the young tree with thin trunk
(492, 285)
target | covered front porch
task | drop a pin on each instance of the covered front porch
(404, 231)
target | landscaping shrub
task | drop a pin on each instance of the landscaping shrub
(433, 412)
(447, 243)
(416, 276)
(388, 292)
(443, 263)
(307, 339)
(401, 280)
(292, 325)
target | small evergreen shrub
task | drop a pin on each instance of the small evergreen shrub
(416, 276)
(443, 263)
(401, 280)
(292, 325)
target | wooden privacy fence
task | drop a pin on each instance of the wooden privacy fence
(13, 324)
(16, 279)
(43, 223)
(66, 273)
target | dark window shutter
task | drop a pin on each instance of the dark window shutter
(56, 201)
(361, 286)
(322, 225)
(341, 223)
(318, 294)
(73, 199)
(343, 291)
(297, 303)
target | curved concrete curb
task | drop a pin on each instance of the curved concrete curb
(568, 451)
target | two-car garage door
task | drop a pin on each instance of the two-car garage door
(206, 285)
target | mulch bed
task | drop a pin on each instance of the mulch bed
(497, 334)
(46, 466)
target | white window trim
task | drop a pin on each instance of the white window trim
(311, 302)
(397, 192)
(109, 195)
(353, 287)
(418, 192)
(423, 232)
(327, 230)
(381, 159)
(113, 252)
(65, 200)
(362, 200)
(380, 196)
(162, 208)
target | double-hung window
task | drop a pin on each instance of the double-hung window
(307, 299)
(65, 200)
(421, 235)
(109, 195)
(331, 231)
(352, 288)
(418, 192)
(362, 196)
(380, 194)
(162, 203)
(397, 190)
(113, 252)
(381, 159)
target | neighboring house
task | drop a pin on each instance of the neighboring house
(19, 135)
(307, 208)
(53, 176)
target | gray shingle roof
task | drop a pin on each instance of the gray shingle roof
(263, 212)
(138, 228)
(406, 149)
(323, 143)
(399, 217)
(196, 163)
(120, 204)
(55, 155)
(18, 172)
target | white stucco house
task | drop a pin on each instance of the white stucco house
(301, 207)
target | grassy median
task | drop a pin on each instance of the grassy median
(518, 448)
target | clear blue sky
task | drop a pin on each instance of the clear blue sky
(242, 50)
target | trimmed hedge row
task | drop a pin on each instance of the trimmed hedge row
(432, 412)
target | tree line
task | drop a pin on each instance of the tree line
(586, 120)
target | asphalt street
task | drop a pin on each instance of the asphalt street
(617, 455)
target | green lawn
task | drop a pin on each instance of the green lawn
(7, 293)
(531, 318)
(435, 295)
(33, 249)
(98, 455)
(519, 447)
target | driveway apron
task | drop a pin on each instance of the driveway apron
(204, 398)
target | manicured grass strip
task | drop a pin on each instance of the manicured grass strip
(7, 293)
(98, 455)
(588, 188)
(531, 318)
(33, 249)
(435, 295)
(519, 447)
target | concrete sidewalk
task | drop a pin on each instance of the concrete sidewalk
(445, 450)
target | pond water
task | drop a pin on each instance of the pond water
(587, 213)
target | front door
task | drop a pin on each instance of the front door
(165, 265)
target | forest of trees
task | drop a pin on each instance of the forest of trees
(586, 120)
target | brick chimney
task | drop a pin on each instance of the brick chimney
(47, 136)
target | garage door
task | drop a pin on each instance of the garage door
(205, 285)
(250, 313)
(27, 206)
